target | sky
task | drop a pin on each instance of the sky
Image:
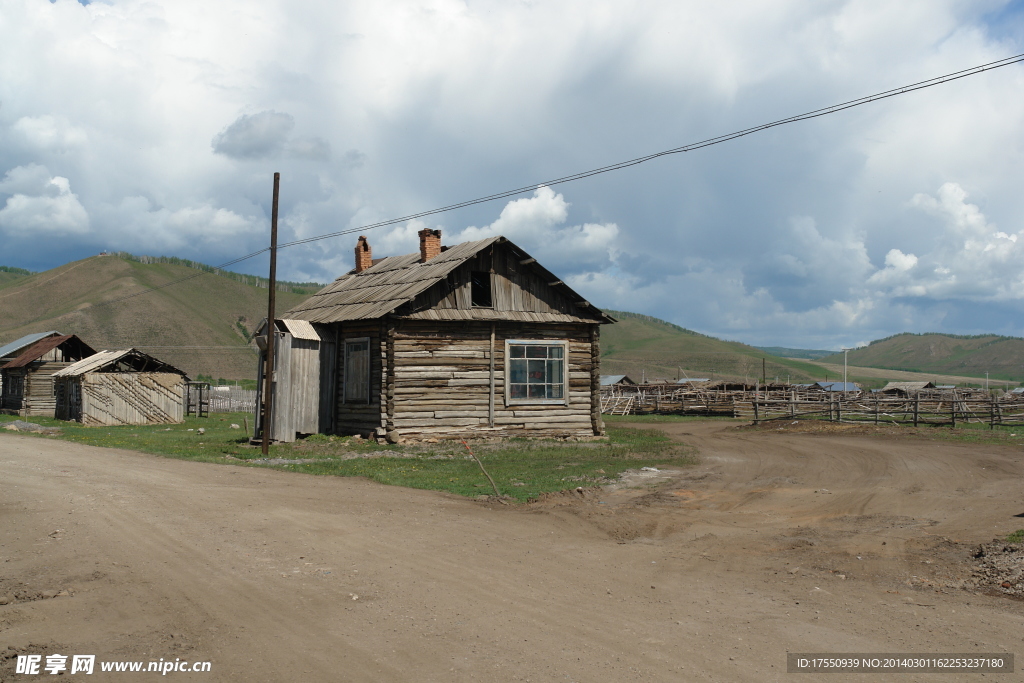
(155, 127)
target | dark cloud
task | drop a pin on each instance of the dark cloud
(255, 136)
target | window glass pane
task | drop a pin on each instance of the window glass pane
(554, 391)
(555, 351)
(536, 351)
(517, 351)
(517, 391)
(555, 371)
(537, 391)
(517, 370)
(536, 371)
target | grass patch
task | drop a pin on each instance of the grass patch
(1016, 537)
(522, 468)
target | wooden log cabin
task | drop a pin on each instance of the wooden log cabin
(476, 339)
(27, 381)
(126, 387)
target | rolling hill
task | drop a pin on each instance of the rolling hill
(642, 345)
(211, 310)
(8, 274)
(219, 309)
(973, 356)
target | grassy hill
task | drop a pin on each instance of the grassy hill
(9, 274)
(973, 356)
(640, 344)
(784, 352)
(210, 310)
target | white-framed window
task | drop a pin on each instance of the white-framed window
(357, 370)
(536, 372)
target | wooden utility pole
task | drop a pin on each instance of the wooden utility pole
(268, 368)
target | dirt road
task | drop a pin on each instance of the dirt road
(775, 542)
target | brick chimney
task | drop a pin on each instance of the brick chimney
(430, 244)
(364, 255)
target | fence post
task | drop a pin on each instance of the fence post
(876, 409)
(755, 410)
(917, 407)
(839, 409)
(952, 405)
(991, 413)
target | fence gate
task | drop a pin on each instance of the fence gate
(197, 399)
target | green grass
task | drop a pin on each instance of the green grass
(522, 468)
(1016, 537)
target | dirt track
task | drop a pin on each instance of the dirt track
(713, 575)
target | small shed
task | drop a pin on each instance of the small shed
(616, 381)
(304, 358)
(126, 387)
(28, 387)
(836, 386)
(905, 388)
(10, 351)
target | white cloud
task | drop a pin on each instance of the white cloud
(49, 132)
(168, 119)
(536, 224)
(40, 205)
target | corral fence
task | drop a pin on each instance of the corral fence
(951, 409)
(718, 400)
(760, 403)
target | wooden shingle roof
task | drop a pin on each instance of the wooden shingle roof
(396, 280)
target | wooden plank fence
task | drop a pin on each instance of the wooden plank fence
(234, 400)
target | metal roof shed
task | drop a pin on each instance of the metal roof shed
(126, 387)
(27, 381)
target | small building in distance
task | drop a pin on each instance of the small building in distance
(27, 380)
(10, 351)
(126, 387)
(836, 386)
(617, 381)
(475, 339)
(905, 389)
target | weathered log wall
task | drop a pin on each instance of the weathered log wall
(440, 381)
(30, 389)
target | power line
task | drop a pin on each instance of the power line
(824, 111)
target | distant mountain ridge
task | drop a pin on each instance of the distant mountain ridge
(645, 346)
(973, 355)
